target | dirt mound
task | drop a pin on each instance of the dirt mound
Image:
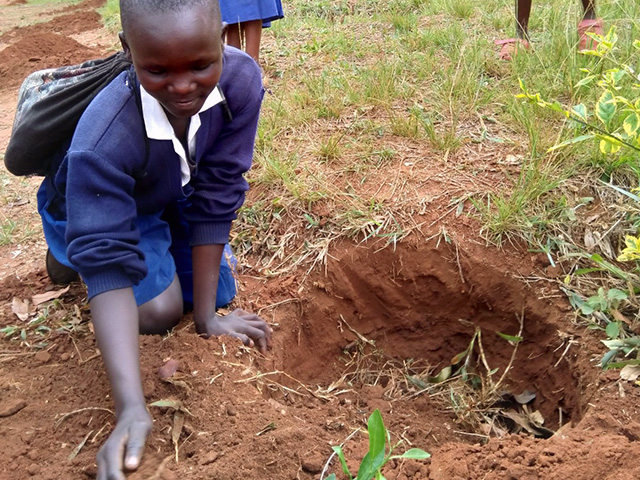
(231, 413)
(68, 24)
(43, 50)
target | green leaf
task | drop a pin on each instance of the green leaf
(606, 359)
(459, 357)
(606, 107)
(586, 309)
(332, 477)
(584, 271)
(580, 111)
(443, 375)
(624, 363)
(616, 294)
(572, 141)
(375, 457)
(632, 250)
(414, 454)
(557, 106)
(343, 461)
(631, 124)
(418, 382)
(613, 330)
(510, 338)
(585, 81)
(609, 147)
(622, 343)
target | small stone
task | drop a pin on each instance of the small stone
(209, 458)
(311, 466)
(11, 407)
(170, 367)
(65, 356)
(42, 356)
(33, 469)
(231, 411)
(33, 454)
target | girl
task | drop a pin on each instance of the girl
(245, 19)
(589, 23)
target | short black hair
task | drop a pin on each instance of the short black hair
(130, 9)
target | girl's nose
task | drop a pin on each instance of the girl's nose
(182, 84)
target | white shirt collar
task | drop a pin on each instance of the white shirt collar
(158, 127)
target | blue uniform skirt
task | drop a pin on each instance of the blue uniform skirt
(237, 11)
(164, 240)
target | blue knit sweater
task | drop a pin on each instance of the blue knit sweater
(112, 173)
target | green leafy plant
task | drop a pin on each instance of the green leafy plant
(603, 302)
(377, 456)
(614, 118)
(631, 252)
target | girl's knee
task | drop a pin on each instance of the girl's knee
(162, 313)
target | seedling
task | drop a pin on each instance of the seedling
(377, 456)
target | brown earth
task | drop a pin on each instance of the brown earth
(355, 337)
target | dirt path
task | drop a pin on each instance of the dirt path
(358, 338)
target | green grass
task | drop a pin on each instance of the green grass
(110, 13)
(358, 90)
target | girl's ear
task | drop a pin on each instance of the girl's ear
(125, 45)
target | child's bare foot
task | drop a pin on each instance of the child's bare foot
(510, 47)
(585, 42)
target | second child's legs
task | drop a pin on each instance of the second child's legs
(510, 47)
(523, 11)
(589, 23)
(247, 35)
(589, 8)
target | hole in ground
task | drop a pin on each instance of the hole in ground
(417, 306)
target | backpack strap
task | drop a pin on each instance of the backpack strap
(135, 86)
(228, 116)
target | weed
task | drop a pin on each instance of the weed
(460, 8)
(380, 452)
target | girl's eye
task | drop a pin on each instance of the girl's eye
(200, 68)
(153, 71)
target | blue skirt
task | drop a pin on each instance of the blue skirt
(237, 11)
(164, 240)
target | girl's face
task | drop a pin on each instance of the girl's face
(177, 57)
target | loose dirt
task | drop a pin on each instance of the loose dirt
(354, 337)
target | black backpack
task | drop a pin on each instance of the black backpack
(50, 103)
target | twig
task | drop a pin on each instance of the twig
(95, 355)
(358, 334)
(82, 410)
(458, 262)
(564, 352)
(459, 432)
(277, 304)
(76, 347)
(513, 353)
(326, 465)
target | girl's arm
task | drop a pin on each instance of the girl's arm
(115, 321)
(249, 328)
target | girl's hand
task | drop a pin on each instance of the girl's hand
(248, 327)
(123, 449)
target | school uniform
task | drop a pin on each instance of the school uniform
(238, 11)
(127, 202)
